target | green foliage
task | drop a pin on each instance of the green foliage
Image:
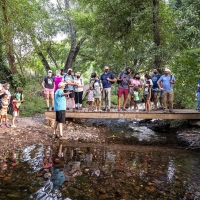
(34, 102)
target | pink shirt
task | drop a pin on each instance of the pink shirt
(134, 83)
(57, 80)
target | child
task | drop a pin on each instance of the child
(4, 102)
(97, 93)
(14, 109)
(136, 98)
(90, 98)
(20, 98)
(147, 96)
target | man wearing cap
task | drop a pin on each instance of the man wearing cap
(68, 78)
(107, 79)
(60, 108)
(48, 84)
(165, 84)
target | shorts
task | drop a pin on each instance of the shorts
(155, 90)
(48, 91)
(14, 113)
(122, 91)
(4, 112)
(146, 97)
(71, 95)
(60, 116)
(136, 102)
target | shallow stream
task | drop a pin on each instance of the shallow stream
(114, 170)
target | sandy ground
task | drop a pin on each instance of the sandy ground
(32, 130)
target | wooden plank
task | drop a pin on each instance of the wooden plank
(179, 114)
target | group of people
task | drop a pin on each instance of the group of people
(65, 87)
(9, 104)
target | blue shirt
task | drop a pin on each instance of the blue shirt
(166, 85)
(67, 77)
(155, 78)
(198, 87)
(105, 82)
(59, 100)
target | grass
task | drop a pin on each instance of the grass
(34, 102)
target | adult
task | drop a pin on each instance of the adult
(7, 90)
(134, 82)
(60, 108)
(107, 79)
(155, 88)
(57, 79)
(123, 86)
(165, 84)
(198, 96)
(68, 78)
(78, 89)
(48, 84)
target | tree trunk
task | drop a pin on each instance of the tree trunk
(51, 56)
(10, 50)
(69, 61)
(44, 61)
(156, 34)
(40, 54)
(74, 48)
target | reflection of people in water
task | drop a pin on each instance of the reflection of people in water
(47, 160)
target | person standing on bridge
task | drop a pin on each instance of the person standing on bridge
(78, 89)
(69, 79)
(165, 84)
(123, 85)
(107, 80)
(60, 108)
(198, 96)
(155, 89)
(48, 84)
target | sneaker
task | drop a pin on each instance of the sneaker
(13, 126)
(108, 110)
(103, 109)
(52, 108)
(137, 110)
(47, 109)
(95, 110)
(2, 126)
(165, 111)
(7, 125)
(74, 109)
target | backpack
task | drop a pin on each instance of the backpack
(10, 108)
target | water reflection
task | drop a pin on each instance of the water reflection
(100, 172)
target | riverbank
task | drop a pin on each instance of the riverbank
(32, 130)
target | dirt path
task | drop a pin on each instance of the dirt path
(32, 130)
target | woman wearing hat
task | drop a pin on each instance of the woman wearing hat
(78, 89)
(48, 84)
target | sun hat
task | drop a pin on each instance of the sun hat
(61, 84)
(49, 71)
(167, 70)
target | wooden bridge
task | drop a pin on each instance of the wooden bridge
(114, 114)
